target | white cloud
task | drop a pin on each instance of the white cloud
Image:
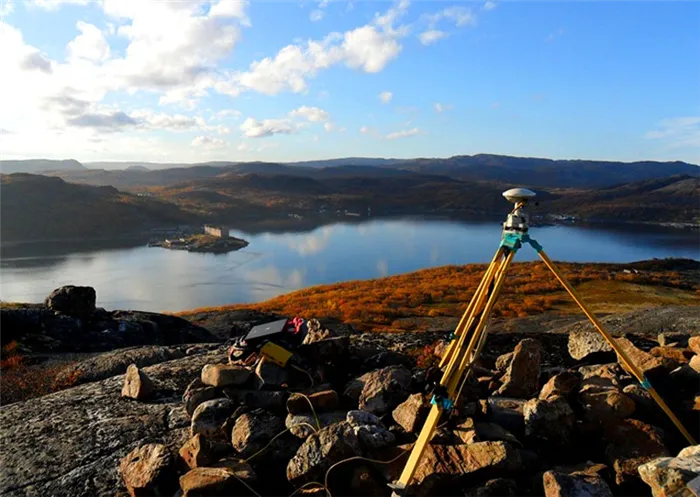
(364, 130)
(7, 7)
(462, 16)
(440, 108)
(90, 44)
(489, 5)
(316, 15)
(252, 128)
(385, 97)
(222, 114)
(402, 133)
(313, 114)
(677, 132)
(368, 48)
(330, 127)
(431, 36)
(208, 142)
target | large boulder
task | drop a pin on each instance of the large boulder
(254, 430)
(199, 452)
(148, 470)
(694, 344)
(668, 475)
(137, 384)
(381, 390)
(631, 444)
(411, 413)
(270, 375)
(72, 300)
(320, 451)
(523, 373)
(273, 400)
(578, 485)
(444, 465)
(549, 422)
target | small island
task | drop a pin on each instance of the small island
(215, 239)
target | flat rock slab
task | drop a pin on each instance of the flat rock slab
(70, 443)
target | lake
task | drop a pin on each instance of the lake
(157, 279)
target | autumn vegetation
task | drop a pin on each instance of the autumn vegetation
(397, 303)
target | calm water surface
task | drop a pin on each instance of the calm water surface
(157, 279)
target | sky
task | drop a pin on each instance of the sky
(201, 80)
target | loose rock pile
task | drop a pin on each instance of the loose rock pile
(348, 426)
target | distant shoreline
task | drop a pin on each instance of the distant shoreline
(286, 225)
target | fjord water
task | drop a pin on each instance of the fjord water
(157, 279)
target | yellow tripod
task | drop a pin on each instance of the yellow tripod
(470, 334)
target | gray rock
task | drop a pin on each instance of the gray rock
(303, 425)
(72, 300)
(196, 393)
(270, 375)
(373, 437)
(550, 422)
(585, 342)
(254, 430)
(561, 384)
(115, 363)
(497, 487)
(503, 361)
(606, 406)
(668, 475)
(229, 477)
(507, 412)
(137, 384)
(384, 389)
(320, 451)
(523, 373)
(491, 432)
(209, 418)
(324, 400)
(359, 417)
(263, 399)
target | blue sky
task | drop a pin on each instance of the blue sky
(188, 81)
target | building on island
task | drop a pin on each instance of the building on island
(217, 231)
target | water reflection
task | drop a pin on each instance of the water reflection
(139, 277)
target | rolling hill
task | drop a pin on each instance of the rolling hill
(39, 166)
(533, 172)
(34, 207)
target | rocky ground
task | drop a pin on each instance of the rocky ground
(547, 411)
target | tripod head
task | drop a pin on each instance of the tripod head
(518, 220)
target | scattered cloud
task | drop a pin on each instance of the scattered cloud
(316, 15)
(553, 36)
(7, 7)
(208, 142)
(431, 36)
(108, 121)
(385, 97)
(440, 108)
(313, 114)
(402, 134)
(330, 127)
(460, 16)
(223, 114)
(368, 48)
(489, 5)
(252, 128)
(677, 132)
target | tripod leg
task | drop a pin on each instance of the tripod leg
(626, 361)
(452, 375)
(485, 280)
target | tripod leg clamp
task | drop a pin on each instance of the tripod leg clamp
(442, 402)
(646, 384)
